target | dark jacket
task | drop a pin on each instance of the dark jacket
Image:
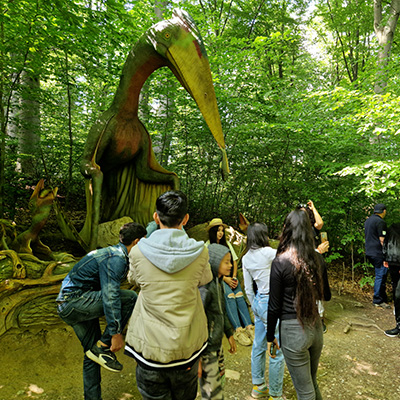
(391, 245)
(212, 296)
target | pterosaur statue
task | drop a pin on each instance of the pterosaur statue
(123, 177)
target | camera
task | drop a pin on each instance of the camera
(302, 205)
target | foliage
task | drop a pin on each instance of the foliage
(295, 93)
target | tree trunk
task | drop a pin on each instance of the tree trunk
(384, 34)
(29, 126)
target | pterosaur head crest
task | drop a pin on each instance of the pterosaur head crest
(178, 40)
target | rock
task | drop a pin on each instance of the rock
(109, 231)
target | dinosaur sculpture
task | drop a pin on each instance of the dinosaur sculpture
(118, 163)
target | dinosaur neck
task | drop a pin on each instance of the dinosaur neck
(142, 61)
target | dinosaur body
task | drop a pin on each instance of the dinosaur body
(122, 172)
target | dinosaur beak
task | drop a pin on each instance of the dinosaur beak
(191, 67)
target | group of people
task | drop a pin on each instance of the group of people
(190, 297)
(382, 248)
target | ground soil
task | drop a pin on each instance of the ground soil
(358, 361)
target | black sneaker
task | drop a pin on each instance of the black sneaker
(382, 305)
(392, 332)
(104, 357)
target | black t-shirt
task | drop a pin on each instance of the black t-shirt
(375, 227)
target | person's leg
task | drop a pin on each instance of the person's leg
(258, 353)
(397, 302)
(210, 380)
(276, 370)
(276, 365)
(394, 271)
(184, 382)
(231, 307)
(295, 342)
(88, 332)
(380, 281)
(315, 354)
(382, 292)
(128, 301)
(153, 384)
(242, 306)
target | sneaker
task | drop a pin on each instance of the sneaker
(382, 305)
(104, 357)
(277, 398)
(257, 393)
(324, 328)
(241, 337)
(250, 332)
(393, 332)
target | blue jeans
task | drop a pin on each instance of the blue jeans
(167, 383)
(82, 313)
(380, 280)
(236, 306)
(258, 352)
(302, 349)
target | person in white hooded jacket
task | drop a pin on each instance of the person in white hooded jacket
(168, 328)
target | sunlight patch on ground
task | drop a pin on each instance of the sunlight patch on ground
(361, 367)
(231, 374)
(34, 389)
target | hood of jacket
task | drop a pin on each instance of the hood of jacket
(170, 250)
(216, 253)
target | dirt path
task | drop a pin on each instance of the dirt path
(360, 364)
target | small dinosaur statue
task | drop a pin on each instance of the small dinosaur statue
(40, 205)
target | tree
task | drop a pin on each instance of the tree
(385, 27)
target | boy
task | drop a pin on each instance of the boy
(168, 328)
(91, 290)
(218, 323)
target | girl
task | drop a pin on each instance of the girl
(236, 306)
(256, 268)
(297, 281)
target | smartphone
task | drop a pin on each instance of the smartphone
(324, 237)
(273, 349)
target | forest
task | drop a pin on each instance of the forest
(308, 94)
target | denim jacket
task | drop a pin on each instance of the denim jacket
(100, 270)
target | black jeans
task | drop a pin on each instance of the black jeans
(83, 313)
(167, 384)
(395, 275)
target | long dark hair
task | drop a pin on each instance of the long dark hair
(257, 236)
(297, 244)
(212, 234)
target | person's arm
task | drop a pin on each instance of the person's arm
(231, 281)
(319, 223)
(275, 302)
(111, 272)
(248, 284)
(207, 274)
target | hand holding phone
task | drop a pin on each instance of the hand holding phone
(272, 349)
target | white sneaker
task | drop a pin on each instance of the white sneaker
(241, 337)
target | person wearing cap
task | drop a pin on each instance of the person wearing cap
(375, 232)
(236, 306)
